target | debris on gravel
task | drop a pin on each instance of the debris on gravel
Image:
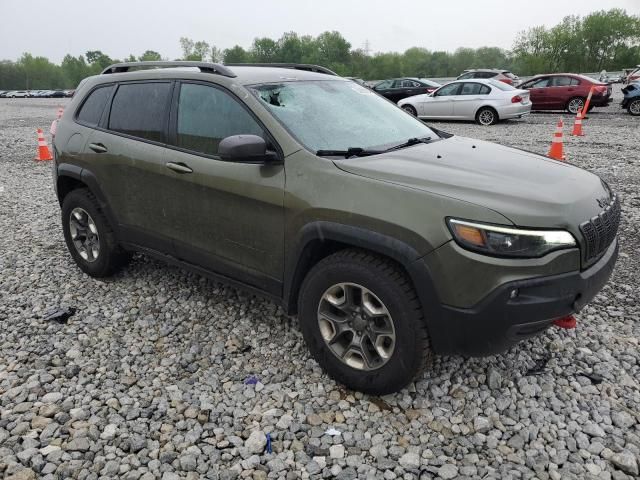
(162, 374)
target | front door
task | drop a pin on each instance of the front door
(440, 105)
(233, 212)
(538, 93)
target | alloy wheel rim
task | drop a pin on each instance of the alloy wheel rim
(486, 117)
(84, 234)
(575, 105)
(635, 107)
(356, 326)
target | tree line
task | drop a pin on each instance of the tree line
(607, 40)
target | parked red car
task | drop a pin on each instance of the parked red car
(566, 91)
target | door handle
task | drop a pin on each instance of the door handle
(179, 167)
(98, 147)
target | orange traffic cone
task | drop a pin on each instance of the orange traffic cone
(577, 125)
(556, 151)
(43, 149)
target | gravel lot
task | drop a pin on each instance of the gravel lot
(148, 378)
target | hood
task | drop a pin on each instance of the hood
(528, 189)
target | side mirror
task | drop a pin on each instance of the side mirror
(245, 148)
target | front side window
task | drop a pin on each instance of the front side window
(451, 89)
(384, 85)
(140, 110)
(464, 76)
(93, 106)
(337, 115)
(542, 83)
(206, 115)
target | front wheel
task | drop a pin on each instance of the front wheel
(410, 110)
(634, 108)
(362, 321)
(486, 116)
(575, 104)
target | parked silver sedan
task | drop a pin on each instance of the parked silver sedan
(485, 101)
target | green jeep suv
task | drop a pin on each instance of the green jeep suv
(388, 239)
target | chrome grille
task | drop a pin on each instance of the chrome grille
(600, 231)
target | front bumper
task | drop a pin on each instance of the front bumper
(517, 310)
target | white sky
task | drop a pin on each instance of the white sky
(121, 27)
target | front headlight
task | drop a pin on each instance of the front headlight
(508, 242)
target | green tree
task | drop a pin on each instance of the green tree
(264, 50)
(150, 56)
(236, 54)
(98, 60)
(74, 69)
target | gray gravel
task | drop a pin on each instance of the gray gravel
(147, 379)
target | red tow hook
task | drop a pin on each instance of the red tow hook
(567, 322)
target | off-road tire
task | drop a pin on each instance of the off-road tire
(111, 257)
(390, 284)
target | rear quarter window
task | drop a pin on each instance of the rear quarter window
(140, 110)
(92, 108)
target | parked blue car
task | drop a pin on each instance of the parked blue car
(631, 99)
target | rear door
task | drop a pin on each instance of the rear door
(232, 213)
(470, 98)
(127, 155)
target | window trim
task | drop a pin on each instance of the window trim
(173, 124)
(106, 106)
(106, 115)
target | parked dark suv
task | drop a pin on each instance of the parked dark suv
(390, 240)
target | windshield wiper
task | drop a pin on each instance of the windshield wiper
(409, 143)
(348, 153)
(363, 152)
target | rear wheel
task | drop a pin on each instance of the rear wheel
(89, 237)
(410, 109)
(363, 323)
(487, 116)
(575, 104)
(634, 108)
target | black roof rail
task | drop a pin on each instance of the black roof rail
(204, 67)
(294, 66)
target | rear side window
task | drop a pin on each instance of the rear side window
(139, 109)
(206, 115)
(93, 106)
(474, 89)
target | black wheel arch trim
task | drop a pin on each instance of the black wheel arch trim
(297, 266)
(89, 179)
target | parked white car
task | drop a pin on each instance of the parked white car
(485, 101)
(17, 94)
